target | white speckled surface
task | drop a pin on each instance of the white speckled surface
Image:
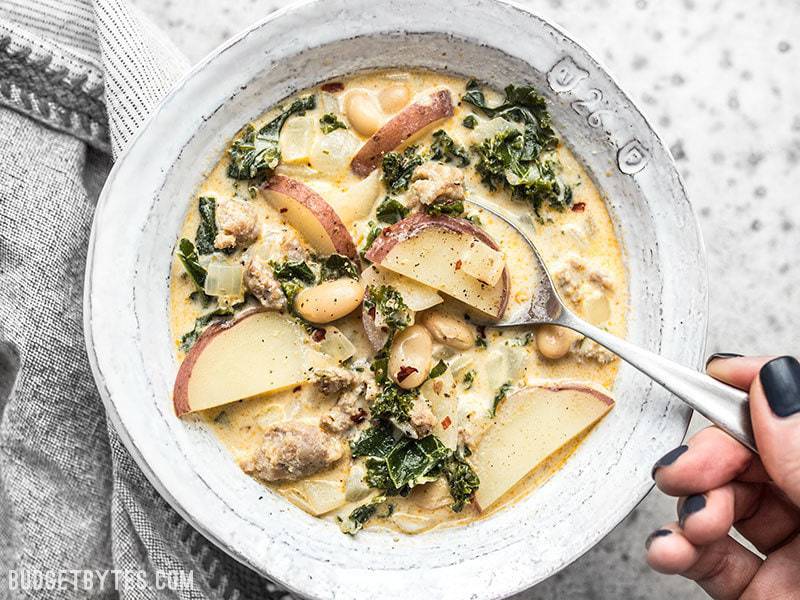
(717, 80)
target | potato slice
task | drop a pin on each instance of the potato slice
(310, 215)
(356, 202)
(409, 122)
(441, 395)
(529, 426)
(429, 249)
(483, 263)
(257, 353)
(417, 296)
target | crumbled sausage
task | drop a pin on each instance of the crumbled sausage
(421, 418)
(573, 274)
(293, 450)
(261, 282)
(356, 389)
(586, 349)
(292, 249)
(434, 180)
(237, 224)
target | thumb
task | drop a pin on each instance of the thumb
(775, 412)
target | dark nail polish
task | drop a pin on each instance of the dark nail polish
(722, 355)
(669, 458)
(780, 379)
(692, 504)
(656, 534)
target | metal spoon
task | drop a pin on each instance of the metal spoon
(725, 406)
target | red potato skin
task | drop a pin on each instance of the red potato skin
(563, 386)
(413, 225)
(341, 238)
(410, 120)
(180, 392)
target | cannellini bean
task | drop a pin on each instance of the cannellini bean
(448, 330)
(329, 301)
(553, 342)
(363, 112)
(410, 357)
(394, 97)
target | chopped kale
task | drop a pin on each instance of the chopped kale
(389, 304)
(481, 341)
(330, 122)
(393, 402)
(377, 475)
(257, 153)
(374, 232)
(337, 266)
(463, 481)
(391, 210)
(189, 259)
(470, 122)
(377, 442)
(445, 206)
(200, 296)
(523, 341)
(207, 229)
(438, 369)
(499, 397)
(411, 461)
(399, 167)
(474, 219)
(294, 269)
(445, 150)
(380, 367)
(469, 379)
(356, 520)
(522, 104)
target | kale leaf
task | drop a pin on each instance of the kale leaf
(207, 229)
(463, 481)
(393, 402)
(372, 235)
(189, 259)
(361, 514)
(391, 210)
(499, 397)
(377, 442)
(189, 338)
(330, 122)
(389, 304)
(445, 206)
(470, 122)
(445, 150)
(438, 369)
(294, 269)
(469, 379)
(337, 266)
(257, 153)
(399, 167)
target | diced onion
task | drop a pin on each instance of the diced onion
(223, 279)
(332, 153)
(336, 345)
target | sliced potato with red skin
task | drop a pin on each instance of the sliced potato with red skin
(407, 123)
(311, 215)
(256, 353)
(428, 249)
(530, 426)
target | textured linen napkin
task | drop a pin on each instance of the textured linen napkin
(77, 79)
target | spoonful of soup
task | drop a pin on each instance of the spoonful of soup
(725, 406)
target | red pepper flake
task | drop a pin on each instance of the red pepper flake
(446, 422)
(359, 417)
(371, 312)
(405, 372)
(458, 264)
(283, 210)
(332, 87)
(297, 389)
(319, 334)
(579, 207)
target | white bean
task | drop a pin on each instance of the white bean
(410, 357)
(329, 301)
(394, 97)
(448, 330)
(362, 112)
(553, 342)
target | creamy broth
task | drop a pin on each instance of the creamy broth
(578, 244)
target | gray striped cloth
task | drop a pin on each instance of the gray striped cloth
(77, 517)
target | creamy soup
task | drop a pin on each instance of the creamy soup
(333, 283)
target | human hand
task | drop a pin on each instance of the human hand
(721, 484)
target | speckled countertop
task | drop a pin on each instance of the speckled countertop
(718, 80)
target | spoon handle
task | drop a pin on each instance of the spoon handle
(725, 406)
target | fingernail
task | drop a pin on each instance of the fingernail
(669, 458)
(780, 379)
(691, 505)
(658, 533)
(722, 355)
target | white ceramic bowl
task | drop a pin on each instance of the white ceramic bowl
(143, 205)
